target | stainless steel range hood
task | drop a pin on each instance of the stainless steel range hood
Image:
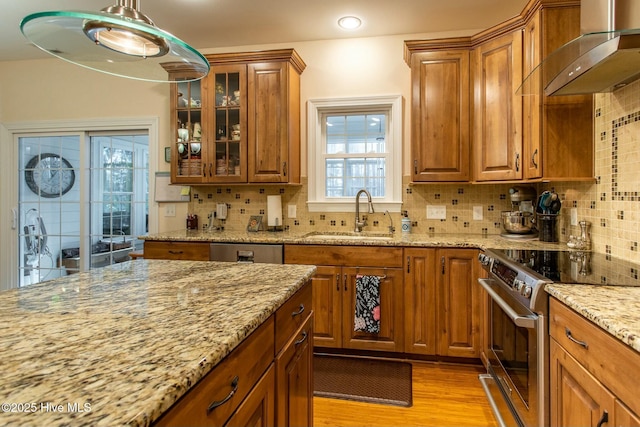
(604, 58)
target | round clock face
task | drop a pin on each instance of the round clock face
(49, 175)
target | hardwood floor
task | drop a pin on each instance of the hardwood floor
(443, 395)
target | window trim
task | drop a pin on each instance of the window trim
(317, 108)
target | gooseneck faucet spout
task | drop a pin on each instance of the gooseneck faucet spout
(359, 225)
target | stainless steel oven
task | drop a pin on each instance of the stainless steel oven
(516, 382)
(517, 352)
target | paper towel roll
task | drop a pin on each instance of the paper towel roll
(274, 211)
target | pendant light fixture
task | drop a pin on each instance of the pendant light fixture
(119, 40)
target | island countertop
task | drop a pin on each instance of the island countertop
(119, 345)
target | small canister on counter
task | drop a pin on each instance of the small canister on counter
(192, 222)
(406, 225)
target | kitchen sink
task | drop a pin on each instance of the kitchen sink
(348, 236)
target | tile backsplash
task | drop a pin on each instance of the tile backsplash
(611, 204)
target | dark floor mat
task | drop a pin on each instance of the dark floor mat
(365, 380)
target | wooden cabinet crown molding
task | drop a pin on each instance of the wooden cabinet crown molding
(276, 55)
(513, 24)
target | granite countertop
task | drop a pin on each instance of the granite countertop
(124, 342)
(460, 240)
(616, 309)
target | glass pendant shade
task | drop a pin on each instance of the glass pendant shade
(119, 40)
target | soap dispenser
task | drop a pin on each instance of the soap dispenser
(406, 223)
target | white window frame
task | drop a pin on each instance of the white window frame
(319, 108)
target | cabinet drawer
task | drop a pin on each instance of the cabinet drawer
(247, 362)
(292, 315)
(352, 256)
(196, 251)
(604, 356)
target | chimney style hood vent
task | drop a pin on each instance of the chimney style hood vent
(604, 58)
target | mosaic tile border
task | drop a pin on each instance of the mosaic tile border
(616, 126)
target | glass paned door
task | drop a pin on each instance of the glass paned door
(49, 207)
(83, 200)
(119, 196)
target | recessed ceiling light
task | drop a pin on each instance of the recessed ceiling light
(349, 22)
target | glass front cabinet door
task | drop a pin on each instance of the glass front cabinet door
(189, 131)
(229, 158)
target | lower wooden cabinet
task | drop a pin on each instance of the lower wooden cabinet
(258, 409)
(266, 381)
(592, 380)
(443, 302)
(190, 251)
(334, 294)
(217, 396)
(294, 366)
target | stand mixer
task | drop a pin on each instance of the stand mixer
(519, 222)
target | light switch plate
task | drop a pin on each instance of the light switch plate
(477, 213)
(170, 209)
(574, 216)
(436, 212)
(291, 211)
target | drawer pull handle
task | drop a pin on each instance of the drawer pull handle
(301, 340)
(214, 405)
(299, 312)
(176, 252)
(604, 419)
(567, 332)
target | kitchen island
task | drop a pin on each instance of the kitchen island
(120, 345)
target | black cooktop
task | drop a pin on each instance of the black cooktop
(570, 266)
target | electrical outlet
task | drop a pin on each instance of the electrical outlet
(170, 210)
(477, 213)
(436, 212)
(574, 216)
(291, 211)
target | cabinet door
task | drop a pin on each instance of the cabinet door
(294, 380)
(497, 121)
(577, 398)
(440, 116)
(227, 153)
(189, 129)
(327, 306)
(625, 417)
(421, 309)
(532, 104)
(459, 300)
(258, 408)
(268, 129)
(391, 310)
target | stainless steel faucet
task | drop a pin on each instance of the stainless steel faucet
(392, 229)
(359, 225)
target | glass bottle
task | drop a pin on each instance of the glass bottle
(585, 234)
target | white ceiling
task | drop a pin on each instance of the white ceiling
(226, 23)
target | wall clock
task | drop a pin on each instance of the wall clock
(49, 175)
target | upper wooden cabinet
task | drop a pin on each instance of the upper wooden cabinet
(440, 116)
(242, 120)
(468, 123)
(557, 131)
(497, 110)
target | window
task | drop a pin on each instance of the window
(355, 143)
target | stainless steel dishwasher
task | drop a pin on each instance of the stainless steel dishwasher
(247, 252)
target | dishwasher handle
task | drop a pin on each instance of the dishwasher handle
(528, 322)
(245, 257)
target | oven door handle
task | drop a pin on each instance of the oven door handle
(528, 322)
